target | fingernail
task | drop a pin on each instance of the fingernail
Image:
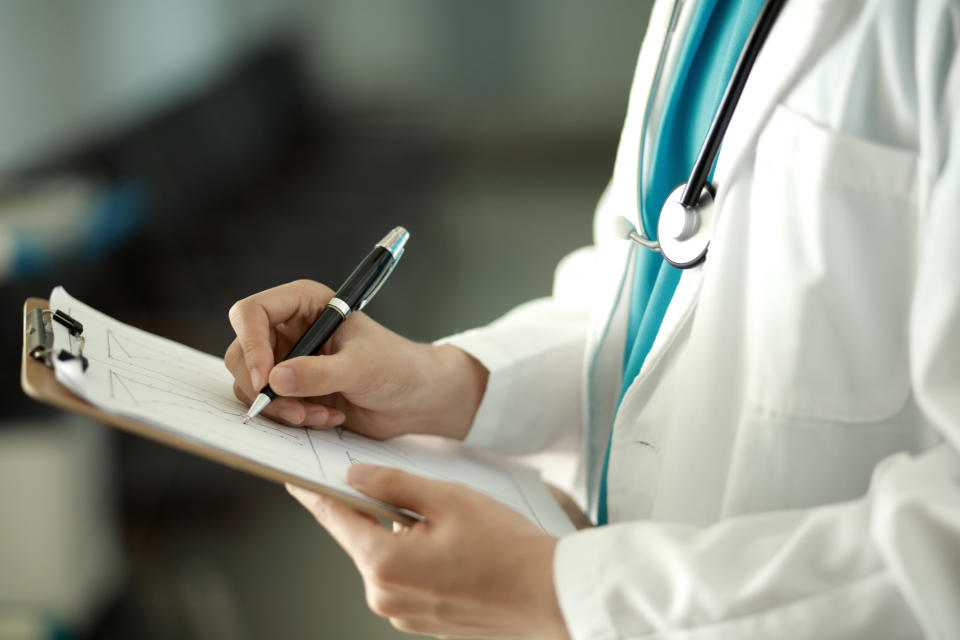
(256, 378)
(337, 418)
(359, 473)
(282, 380)
(293, 415)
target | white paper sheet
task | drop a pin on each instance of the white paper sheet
(190, 393)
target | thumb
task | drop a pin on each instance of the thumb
(399, 488)
(316, 375)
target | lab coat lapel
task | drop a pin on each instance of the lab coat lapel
(787, 52)
(785, 55)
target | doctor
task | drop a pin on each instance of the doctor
(771, 435)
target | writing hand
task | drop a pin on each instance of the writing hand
(472, 568)
(367, 377)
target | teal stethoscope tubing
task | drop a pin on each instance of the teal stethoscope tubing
(703, 166)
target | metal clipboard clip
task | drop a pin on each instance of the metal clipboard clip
(40, 337)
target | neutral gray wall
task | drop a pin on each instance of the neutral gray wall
(71, 71)
(551, 74)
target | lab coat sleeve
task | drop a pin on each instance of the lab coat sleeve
(884, 566)
(534, 355)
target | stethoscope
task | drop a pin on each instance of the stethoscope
(686, 220)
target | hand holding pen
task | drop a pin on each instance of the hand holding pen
(381, 385)
(365, 376)
(355, 293)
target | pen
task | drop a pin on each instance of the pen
(354, 294)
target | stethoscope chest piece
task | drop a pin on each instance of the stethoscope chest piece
(684, 232)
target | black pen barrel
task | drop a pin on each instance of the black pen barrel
(368, 271)
(317, 335)
(270, 393)
(359, 282)
(312, 341)
(354, 294)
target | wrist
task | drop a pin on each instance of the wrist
(459, 380)
(550, 622)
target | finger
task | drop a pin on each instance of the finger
(254, 317)
(317, 375)
(290, 411)
(287, 334)
(287, 410)
(316, 415)
(399, 488)
(358, 534)
(391, 600)
(429, 625)
(320, 416)
(233, 359)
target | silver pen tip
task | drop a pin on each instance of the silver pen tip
(258, 405)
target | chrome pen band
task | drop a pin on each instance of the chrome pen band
(339, 306)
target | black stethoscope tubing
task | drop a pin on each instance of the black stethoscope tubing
(728, 103)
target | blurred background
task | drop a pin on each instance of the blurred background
(161, 159)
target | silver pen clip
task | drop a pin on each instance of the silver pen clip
(393, 242)
(379, 283)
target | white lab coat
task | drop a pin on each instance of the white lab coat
(785, 465)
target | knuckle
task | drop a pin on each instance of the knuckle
(239, 393)
(441, 609)
(313, 370)
(380, 573)
(237, 310)
(405, 625)
(231, 355)
(385, 571)
(379, 479)
(314, 288)
(248, 345)
(306, 283)
(381, 603)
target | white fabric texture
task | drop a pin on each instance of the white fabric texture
(785, 465)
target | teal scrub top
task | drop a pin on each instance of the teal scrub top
(709, 51)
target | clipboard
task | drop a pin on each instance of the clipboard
(39, 382)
